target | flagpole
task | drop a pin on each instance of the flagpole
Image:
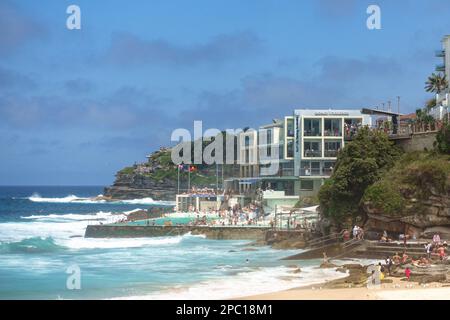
(178, 179)
(217, 178)
(189, 179)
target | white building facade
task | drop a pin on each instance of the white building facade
(442, 99)
(308, 142)
(319, 135)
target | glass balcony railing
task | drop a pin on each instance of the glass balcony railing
(282, 172)
(331, 153)
(440, 53)
(310, 172)
(312, 133)
(315, 172)
(440, 68)
(313, 154)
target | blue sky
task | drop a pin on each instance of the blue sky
(76, 106)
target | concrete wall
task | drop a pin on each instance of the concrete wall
(418, 142)
(219, 233)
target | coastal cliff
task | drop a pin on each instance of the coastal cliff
(158, 178)
(154, 179)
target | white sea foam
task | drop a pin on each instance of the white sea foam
(67, 199)
(79, 217)
(264, 280)
(147, 201)
(116, 243)
(67, 230)
(75, 199)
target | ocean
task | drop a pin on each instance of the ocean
(41, 242)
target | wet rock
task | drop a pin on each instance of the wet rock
(327, 265)
(288, 244)
(357, 277)
(352, 266)
(297, 270)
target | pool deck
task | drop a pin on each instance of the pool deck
(211, 232)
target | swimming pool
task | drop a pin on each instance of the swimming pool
(162, 221)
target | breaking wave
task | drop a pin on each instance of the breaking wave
(75, 199)
(30, 245)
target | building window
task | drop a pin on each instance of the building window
(287, 169)
(333, 127)
(290, 149)
(310, 168)
(247, 141)
(269, 136)
(305, 168)
(290, 128)
(332, 148)
(312, 149)
(312, 127)
(307, 185)
(328, 167)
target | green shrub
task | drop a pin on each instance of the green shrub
(383, 195)
(427, 175)
(442, 143)
(127, 170)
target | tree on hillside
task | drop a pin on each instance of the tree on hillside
(358, 166)
(436, 83)
(442, 142)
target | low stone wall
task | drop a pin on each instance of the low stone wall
(418, 142)
(219, 233)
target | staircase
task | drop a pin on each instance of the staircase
(383, 249)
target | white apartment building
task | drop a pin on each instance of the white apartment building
(308, 142)
(442, 99)
(319, 135)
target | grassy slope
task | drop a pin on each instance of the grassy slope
(415, 175)
(168, 171)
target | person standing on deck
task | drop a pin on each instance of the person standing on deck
(389, 264)
(428, 248)
(355, 231)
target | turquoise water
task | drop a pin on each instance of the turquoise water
(162, 221)
(41, 238)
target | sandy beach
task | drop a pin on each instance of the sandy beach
(397, 290)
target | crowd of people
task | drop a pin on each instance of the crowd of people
(351, 129)
(233, 216)
(202, 191)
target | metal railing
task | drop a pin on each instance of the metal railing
(325, 240)
(348, 244)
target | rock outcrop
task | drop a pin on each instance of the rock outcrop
(422, 218)
(138, 186)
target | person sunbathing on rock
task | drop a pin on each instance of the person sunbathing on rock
(404, 257)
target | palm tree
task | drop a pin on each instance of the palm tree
(430, 104)
(436, 83)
